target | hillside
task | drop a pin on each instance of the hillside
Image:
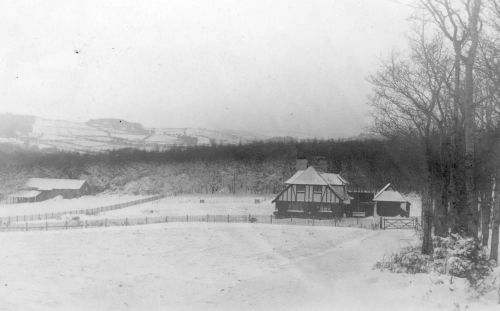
(107, 134)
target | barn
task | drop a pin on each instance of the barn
(52, 187)
(311, 193)
(389, 203)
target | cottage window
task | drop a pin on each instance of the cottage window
(317, 189)
(301, 188)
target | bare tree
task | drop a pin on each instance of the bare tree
(461, 25)
(411, 98)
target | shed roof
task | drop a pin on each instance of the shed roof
(389, 194)
(25, 194)
(54, 183)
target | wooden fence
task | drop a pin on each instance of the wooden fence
(77, 223)
(88, 211)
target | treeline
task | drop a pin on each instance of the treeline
(260, 167)
(443, 93)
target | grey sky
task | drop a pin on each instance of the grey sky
(277, 66)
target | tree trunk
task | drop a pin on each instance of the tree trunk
(469, 125)
(427, 247)
(485, 217)
(496, 221)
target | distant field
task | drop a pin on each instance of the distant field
(213, 205)
(57, 205)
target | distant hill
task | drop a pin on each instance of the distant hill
(108, 134)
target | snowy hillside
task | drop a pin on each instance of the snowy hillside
(106, 134)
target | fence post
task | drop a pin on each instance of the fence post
(187, 218)
(85, 223)
(105, 222)
(313, 221)
(146, 220)
(26, 226)
(228, 218)
(166, 218)
(46, 225)
(271, 219)
(126, 221)
(207, 217)
(66, 224)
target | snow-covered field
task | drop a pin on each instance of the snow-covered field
(213, 267)
(213, 205)
(57, 205)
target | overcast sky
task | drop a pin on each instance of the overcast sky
(268, 66)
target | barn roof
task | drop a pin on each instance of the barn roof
(54, 183)
(25, 194)
(389, 194)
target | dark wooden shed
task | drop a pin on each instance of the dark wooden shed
(390, 203)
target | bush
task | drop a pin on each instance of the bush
(408, 260)
(462, 257)
(454, 255)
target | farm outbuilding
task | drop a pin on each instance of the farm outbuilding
(52, 187)
(24, 196)
(389, 202)
(311, 193)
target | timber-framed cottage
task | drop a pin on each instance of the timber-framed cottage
(312, 193)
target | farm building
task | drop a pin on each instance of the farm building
(312, 193)
(389, 202)
(51, 187)
(24, 196)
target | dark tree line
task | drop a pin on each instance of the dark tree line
(259, 167)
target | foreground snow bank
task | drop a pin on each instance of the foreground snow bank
(200, 266)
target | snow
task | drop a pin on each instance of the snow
(213, 205)
(201, 266)
(58, 204)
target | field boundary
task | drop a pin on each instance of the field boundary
(77, 222)
(86, 211)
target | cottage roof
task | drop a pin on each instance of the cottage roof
(53, 183)
(308, 176)
(311, 176)
(25, 194)
(334, 179)
(389, 194)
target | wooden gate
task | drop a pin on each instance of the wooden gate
(400, 223)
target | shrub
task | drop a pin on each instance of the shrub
(408, 260)
(453, 255)
(462, 257)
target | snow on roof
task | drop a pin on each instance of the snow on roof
(25, 194)
(308, 176)
(334, 179)
(53, 183)
(389, 194)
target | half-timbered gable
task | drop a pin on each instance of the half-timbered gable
(311, 192)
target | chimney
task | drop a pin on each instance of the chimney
(301, 164)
